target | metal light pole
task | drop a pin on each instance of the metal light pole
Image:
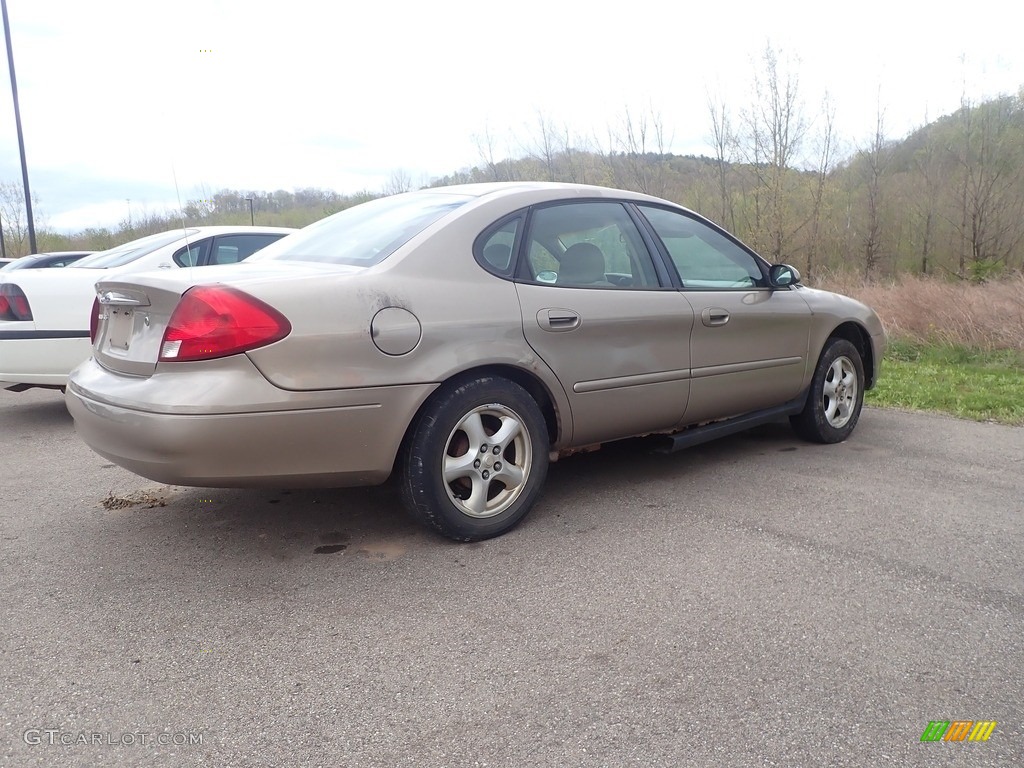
(252, 216)
(21, 137)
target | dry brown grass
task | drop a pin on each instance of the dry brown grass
(935, 311)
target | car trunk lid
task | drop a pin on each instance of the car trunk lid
(132, 320)
(135, 312)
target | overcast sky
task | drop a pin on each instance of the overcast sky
(155, 101)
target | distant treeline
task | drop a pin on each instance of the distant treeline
(278, 209)
(948, 199)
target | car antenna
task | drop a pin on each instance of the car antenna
(181, 214)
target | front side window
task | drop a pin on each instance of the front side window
(587, 245)
(704, 257)
(365, 234)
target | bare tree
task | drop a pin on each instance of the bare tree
(573, 152)
(926, 162)
(992, 207)
(485, 146)
(545, 150)
(13, 218)
(825, 156)
(775, 127)
(875, 165)
(399, 181)
(723, 141)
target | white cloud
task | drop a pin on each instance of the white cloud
(264, 95)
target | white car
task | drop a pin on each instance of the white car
(44, 313)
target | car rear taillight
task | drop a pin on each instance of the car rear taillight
(214, 321)
(14, 303)
(94, 320)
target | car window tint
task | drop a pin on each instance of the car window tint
(229, 249)
(588, 245)
(129, 252)
(704, 257)
(192, 254)
(495, 248)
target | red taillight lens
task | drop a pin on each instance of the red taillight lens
(216, 321)
(94, 320)
(14, 303)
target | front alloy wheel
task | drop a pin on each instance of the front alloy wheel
(836, 395)
(840, 392)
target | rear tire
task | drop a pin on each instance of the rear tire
(836, 396)
(475, 460)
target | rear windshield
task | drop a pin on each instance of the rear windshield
(136, 249)
(365, 234)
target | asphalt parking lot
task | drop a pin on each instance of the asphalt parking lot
(757, 601)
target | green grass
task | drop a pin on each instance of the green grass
(968, 383)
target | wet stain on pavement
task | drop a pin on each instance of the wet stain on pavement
(330, 549)
(381, 550)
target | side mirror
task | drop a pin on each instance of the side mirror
(783, 275)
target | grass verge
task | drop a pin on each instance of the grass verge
(965, 382)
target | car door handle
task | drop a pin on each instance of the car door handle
(556, 320)
(712, 316)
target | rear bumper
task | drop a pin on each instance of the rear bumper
(40, 360)
(317, 439)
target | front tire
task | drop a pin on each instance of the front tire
(475, 460)
(836, 396)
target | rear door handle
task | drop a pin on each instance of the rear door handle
(712, 316)
(556, 320)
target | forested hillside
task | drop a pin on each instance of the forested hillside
(947, 200)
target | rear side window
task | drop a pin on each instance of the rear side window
(192, 255)
(494, 250)
(587, 245)
(228, 249)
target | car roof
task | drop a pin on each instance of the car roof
(481, 189)
(219, 229)
(54, 254)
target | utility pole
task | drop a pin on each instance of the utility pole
(21, 137)
(252, 216)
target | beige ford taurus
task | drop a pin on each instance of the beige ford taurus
(463, 338)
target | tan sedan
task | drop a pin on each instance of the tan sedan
(464, 337)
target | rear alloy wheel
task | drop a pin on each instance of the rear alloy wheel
(475, 460)
(836, 396)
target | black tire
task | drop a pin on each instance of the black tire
(499, 481)
(833, 404)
